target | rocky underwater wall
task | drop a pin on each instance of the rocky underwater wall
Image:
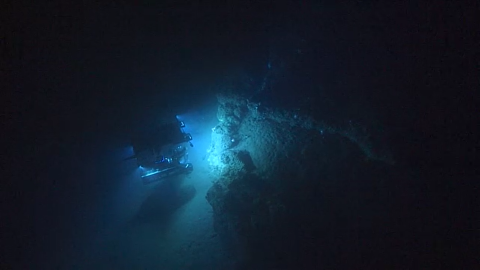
(280, 182)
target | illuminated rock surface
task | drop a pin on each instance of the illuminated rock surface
(280, 183)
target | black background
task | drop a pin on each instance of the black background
(77, 74)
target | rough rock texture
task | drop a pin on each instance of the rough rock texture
(279, 181)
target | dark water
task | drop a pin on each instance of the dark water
(85, 77)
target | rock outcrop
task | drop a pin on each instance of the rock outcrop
(278, 178)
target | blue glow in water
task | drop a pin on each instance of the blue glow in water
(126, 152)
